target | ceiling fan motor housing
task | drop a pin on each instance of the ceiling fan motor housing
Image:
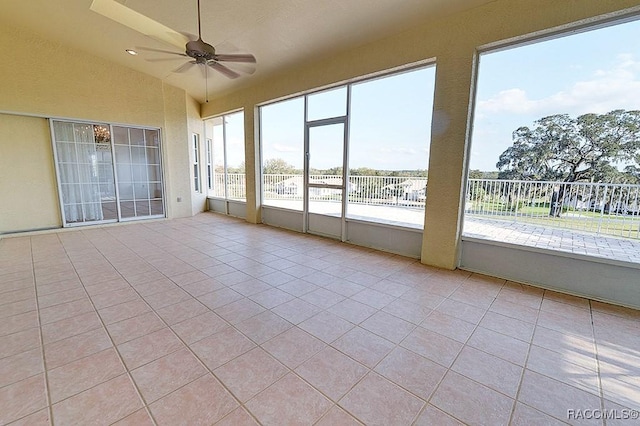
(198, 49)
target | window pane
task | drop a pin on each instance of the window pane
(389, 147)
(547, 155)
(234, 138)
(327, 104)
(282, 137)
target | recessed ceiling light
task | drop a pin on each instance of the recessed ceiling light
(131, 52)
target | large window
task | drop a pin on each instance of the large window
(195, 149)
(225, 156)
(390, 134)
(98, 186)
(554, 160)
(389, 123)
(282, 142)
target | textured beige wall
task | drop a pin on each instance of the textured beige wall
(453, 42)
(27, 177)
(43, 78)
(196, 125)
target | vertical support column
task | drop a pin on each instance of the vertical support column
(252, 163)
(451, 127)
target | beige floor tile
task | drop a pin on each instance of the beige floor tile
(80, 375)
(373, 298)
(271, 298)
(39, 418)
(114, 297)
(555, 398)
(515, 310)
(289, 401)
(489, 370)
(423, 296)
(202, 287)
(60, 297)
(123, 311)
(364, 346)
(296, 310)
(523, 415)
(293, 347)
(21, 341)
(500, 345)
(263, 327)
(135, 327)
(432, 345)
(448, 326)
(463, 311)
(164, 375)
(20, 366)
(433, 416)
(222, 347)
(139, 418)
(22, 398)
(181, 311)
(76, 347)
(326, 326)
(203, 401)
(70, 327)
(510, 326)
(555, 365)
(352, 311)
(199, 327)
(411, 371)
(332, 372)
(337, 416)
(250, 373)
(105, 403)
(376, 401)
(408, 311)
(239, 310)
(150, 347)
(471, 402)
(238, 417)
(219, 298)
(65, 310)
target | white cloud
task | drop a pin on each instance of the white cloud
(615, 88)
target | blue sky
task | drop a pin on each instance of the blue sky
(595, 71)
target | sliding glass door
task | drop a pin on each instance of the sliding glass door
(107, 173)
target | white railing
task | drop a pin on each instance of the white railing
(236, 186)
(369, 190)
(604, 208)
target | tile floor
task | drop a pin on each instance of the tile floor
(210, 320)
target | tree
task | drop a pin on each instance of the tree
(277, 166)
(566, 149)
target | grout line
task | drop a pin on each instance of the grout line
(44, 362)
(595, 348)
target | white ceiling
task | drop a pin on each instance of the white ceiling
(280, 33)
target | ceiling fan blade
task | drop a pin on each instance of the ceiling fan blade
(138, 22)
(242, 68)
(223, 70)
(185, 67)
(169, 52)
(236, 57)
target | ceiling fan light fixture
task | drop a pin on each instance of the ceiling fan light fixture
(131, 52)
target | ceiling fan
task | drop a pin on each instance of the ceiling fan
(201, 53)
